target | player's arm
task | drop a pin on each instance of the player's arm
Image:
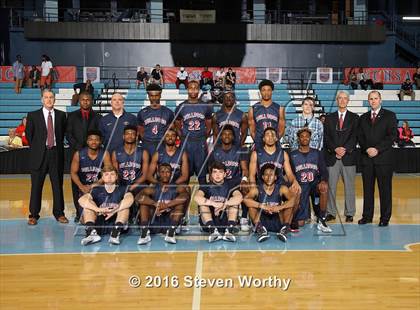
(126, 202)
(290, 197)
(235, 200)
(215, 128)
(180, 199)
(144, 169)
(86, 202)
(107, 159)
(178, 126)
(144, 197)
(251, 123)
(244, 128)
(74, 169)
(114, 160)
(249, 199)
(201, 200)
(185, 170)
(208, 122)
(152, 168)
(282, 121)
(295, 187)
(253, 168)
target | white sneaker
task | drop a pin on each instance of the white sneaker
(144, 239)
(244, 224)
(170, 237)
(322, 226)
(92, 238)
(114, 240)
(229, 236)
(215, 236)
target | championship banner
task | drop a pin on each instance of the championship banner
(273, 74)
(65, 74)
(324, 75)
(92, 73)
(383, 75)
(243, 75)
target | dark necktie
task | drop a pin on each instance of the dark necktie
(373, 117)
(341, 121)
(50, 133)
(306, 123)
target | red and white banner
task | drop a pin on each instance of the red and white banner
(383, 75)
(92, 73)
(243, 75)
(66, 74)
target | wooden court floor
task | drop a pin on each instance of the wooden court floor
(310, 278)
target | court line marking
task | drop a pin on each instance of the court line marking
(197, 290)
(409, 245)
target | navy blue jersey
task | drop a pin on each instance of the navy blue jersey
(193, 116)
(89, 169)
(231, 159)
(234, 118)
(273, 199)
(165, 197)
(277, 159)
(175, 161)
(308, 167)
(103, 199)
(217, 193)
(264, 118)
(129, 166)
(155, 122)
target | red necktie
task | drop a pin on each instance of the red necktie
(341, 121)
(50, 133)
(373, 117)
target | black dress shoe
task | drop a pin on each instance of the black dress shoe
(364, 221)
(330, 218)
(349, 219)
(383, 223)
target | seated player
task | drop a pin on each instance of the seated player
(161, 207)
(87, 164)
(105, 205)
(218, 204)
(234, 158)
(266, 208)
(309, 167)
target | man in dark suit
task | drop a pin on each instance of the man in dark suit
(79, 123)
(45, 133)
(377, 134)
(340, 138)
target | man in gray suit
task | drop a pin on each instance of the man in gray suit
(340, 138)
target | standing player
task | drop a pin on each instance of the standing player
(312, 175)
(266, 210)
(161, 207)
(87, 163)
(235, 160)
(230, 115)
(218, 203)
(193, 123)
(154, 120)
(265, 114)
(104, 206)
(170, 154)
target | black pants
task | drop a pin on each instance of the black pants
(383, 174)
(50, 165)
(76, 195)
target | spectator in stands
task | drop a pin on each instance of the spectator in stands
(354, 82)
(84, 87)
(407, 90)
(14, 141)
(20, 132)
(230, 79)
(46, 73)
(18, 74)
(142, 78)
(34, 76)
(220, 77)
(157, 76)
(405, 134)
(206, 78)
(112, 125)
(181, 78)
(377, 84)
(363, 80)
(322, 118)
(416, 78)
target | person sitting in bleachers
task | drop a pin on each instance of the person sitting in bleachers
(206, 78)
(20, 132)
(156, 77)
(14, 141)
(405, 134)
(407, 90)
(416, 78)
(34, 76)
(363, 80)
(230, 79)
(84, 87)
(181, 78)
(142, 78)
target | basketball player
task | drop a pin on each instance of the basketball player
(154, 120)
(218, 204)
(266, 209)
(193, 123)
(161, 207)
(87, 163)
(265, 114)
(105, 206)
(230, 115)
(311, 172)
(235, 160)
